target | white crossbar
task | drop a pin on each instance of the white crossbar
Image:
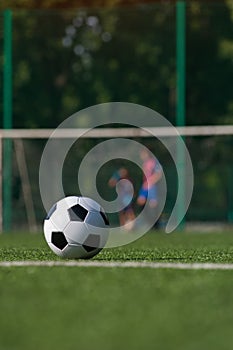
(210, 130)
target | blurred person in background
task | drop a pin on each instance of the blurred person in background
(125, 195)
(152, 173)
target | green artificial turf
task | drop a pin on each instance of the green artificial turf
(118, 308)
(154, 246)
(98, 308)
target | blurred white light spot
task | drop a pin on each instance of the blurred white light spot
(106, 36)
(67, 41)
(92, 21)
(79, 50)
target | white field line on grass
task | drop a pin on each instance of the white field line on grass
(120, 264)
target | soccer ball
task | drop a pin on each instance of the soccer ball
(76, 228)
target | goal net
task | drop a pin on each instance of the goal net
(210, 149)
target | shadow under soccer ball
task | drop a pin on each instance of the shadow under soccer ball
(76, 228)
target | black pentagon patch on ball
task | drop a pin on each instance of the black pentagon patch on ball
(77, 213)
(104, 216)
(59, 240)
(51, 211)
(91, 243)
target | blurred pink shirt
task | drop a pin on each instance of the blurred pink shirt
(150, 167)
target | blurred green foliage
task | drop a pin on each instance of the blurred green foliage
(65, 60)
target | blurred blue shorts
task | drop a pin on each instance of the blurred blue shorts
(150, 193)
